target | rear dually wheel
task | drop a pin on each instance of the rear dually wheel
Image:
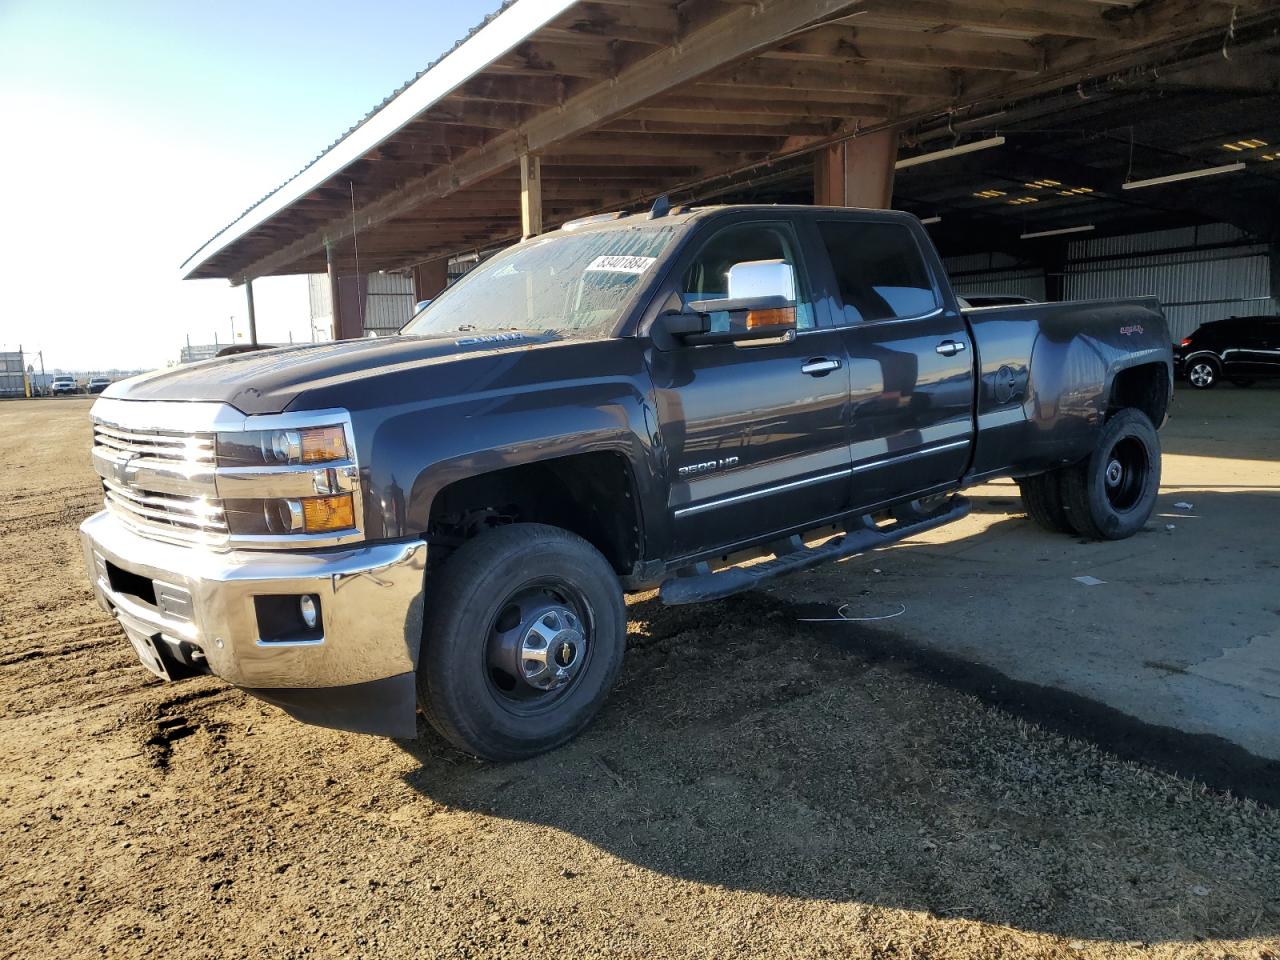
(1110, 496)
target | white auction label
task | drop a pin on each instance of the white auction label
(618, 264)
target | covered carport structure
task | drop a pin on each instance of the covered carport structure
(993, 119)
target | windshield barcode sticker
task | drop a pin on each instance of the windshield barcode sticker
(618, 264)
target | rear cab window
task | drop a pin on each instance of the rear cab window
(879, 270)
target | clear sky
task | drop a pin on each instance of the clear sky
(134, 131)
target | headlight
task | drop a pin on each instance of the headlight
(286, 515)
(259, 448)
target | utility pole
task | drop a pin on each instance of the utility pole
(253, 320)
(233, 329)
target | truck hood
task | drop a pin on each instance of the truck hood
(269, 380)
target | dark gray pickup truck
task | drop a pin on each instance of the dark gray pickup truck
(449, 519)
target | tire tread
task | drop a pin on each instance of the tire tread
(1042, 498)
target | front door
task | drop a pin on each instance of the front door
(911, 362)
(1258, 352)
(754, 434)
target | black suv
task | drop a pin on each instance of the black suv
(1241, 349)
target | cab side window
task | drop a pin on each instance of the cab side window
(707, 277)
(879, 270)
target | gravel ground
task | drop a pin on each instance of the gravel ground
(757, 787)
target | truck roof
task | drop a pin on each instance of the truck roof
(681, 215)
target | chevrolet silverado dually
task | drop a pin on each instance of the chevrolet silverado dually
(693, 400)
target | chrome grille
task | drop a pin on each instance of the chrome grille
(155, 444)
(191, 517)
(184, 519)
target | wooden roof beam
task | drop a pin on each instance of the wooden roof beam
(538, 91)
(846, 78)
(1064, 18)
(798, 106)
(593, 23)
(841, 42)
(815, 128)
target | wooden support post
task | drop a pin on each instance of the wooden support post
(253, 320)
(334, 299)
(430, 279)
(857, 172)
(347, 312)
(530, 194)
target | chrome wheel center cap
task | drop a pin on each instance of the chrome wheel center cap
(1114, 473)
(553, 649)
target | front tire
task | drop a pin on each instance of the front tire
(522, 641)
(1203, 373)
(1111, 495)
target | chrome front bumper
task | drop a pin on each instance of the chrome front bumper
(370, 604)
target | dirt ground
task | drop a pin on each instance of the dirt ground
(756, 787)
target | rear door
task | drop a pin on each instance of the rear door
(754, 433)
(911, 359)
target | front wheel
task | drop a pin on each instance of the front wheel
(1111, 495)
(523, 639)
(1203, 374)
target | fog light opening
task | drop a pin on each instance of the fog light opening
(310, 610)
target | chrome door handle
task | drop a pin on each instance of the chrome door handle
(820, 367)
(949, 348)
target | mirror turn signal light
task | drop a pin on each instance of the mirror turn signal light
(321, 514)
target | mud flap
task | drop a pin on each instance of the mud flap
(385, 708)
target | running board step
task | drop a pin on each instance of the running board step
(792, 555)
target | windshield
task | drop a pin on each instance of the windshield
(577, 285)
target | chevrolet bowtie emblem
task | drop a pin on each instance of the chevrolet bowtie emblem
(121, 468)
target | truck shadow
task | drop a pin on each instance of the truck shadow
(746, 750)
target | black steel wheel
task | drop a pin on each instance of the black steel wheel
(1110, 496)
(523, 638)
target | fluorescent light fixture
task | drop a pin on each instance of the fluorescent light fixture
(949, 152)
(1186, 175)
(1057, 233)
(928, 220)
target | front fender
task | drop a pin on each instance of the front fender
(542, 404)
